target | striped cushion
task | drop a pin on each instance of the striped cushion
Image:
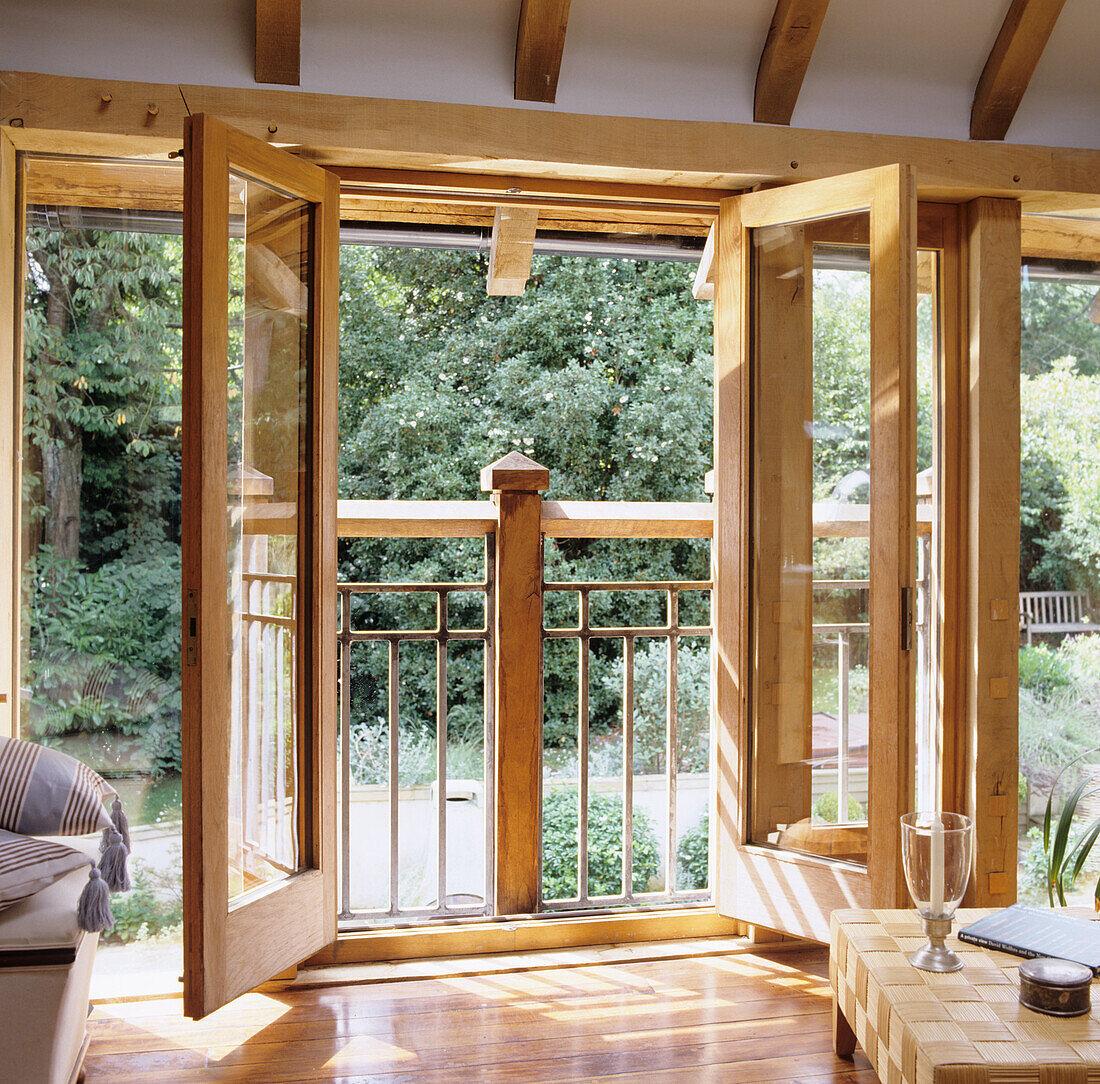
(46, 793)
(29, 865)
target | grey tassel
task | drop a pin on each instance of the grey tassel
(122, 825)
(113, 864)
(93, 910)
(105, 839)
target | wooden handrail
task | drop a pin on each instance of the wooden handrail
(627, 519)
(415, 519)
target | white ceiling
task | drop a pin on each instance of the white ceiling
(888, 66)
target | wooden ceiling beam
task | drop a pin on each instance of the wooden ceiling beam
(512, 248)
(1011, 64)
(786, 56)
(279, 41)
(540, 41)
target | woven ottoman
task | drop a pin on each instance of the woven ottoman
(967, 1027)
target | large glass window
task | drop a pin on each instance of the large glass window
(1059, 562)
(100, 633)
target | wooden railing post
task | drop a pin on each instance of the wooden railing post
(515, 482)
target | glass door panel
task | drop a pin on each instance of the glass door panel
(268, 455)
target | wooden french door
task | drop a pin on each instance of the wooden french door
(814, 550)
(259, 551)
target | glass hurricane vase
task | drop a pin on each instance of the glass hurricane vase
(935, 850)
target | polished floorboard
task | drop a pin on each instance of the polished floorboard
(752, 1017)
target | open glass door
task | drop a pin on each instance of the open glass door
(814, 553)
(259, 552)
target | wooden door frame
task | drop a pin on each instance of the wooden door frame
(231, 946)
(12, 271)
(1040, 237)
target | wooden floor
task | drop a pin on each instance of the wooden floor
(751, 1018)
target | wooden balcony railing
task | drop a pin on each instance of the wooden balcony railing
(514, 524)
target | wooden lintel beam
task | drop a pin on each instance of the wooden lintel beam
(512, 247)
(1051, 237)
(279, 41)
(540, 41)
(52, 114)
(786, 56)
(1011, 64)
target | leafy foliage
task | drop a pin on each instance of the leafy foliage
(1060, 480)
(1055, 324)
(154, 906)
(650, 706)
(826, 808)
(1066, 853)
(101, 488)
(693, 856)
(560, 835)
(601, 372)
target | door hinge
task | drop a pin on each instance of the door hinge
(191, 632)
(908, 622)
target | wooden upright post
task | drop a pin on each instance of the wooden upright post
(515, 482)
(992, 267)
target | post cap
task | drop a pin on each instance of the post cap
(514, 471)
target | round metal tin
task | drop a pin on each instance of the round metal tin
(1055, 987)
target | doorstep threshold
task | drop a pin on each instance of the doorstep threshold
(504, 963)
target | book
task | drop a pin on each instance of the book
(1032, 932)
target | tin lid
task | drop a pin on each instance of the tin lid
(1060, 974)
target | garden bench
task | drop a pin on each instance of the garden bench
(1056, 611)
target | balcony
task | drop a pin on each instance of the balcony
(415, 852)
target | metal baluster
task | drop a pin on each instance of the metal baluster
(582, 749)
(345, 754)
(672, 745)
(843, 737)
(441, 750)
(394, 795)
(489, 690)
(267, 721)
(628, 768)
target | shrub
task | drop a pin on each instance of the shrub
(153, 906)
(1054, 732)
(370, 756)
(692, 706)
(827, 807)
(121, 625)
(693, 856)
(605, 846)
(1043, 671)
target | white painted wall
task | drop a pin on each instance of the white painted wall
(881, 65)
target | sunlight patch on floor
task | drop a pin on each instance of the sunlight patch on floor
(364, 1050)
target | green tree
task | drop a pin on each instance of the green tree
(101, 489)
(1055, 323)
(601, 372)
(101, 385)
(1060, 480)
